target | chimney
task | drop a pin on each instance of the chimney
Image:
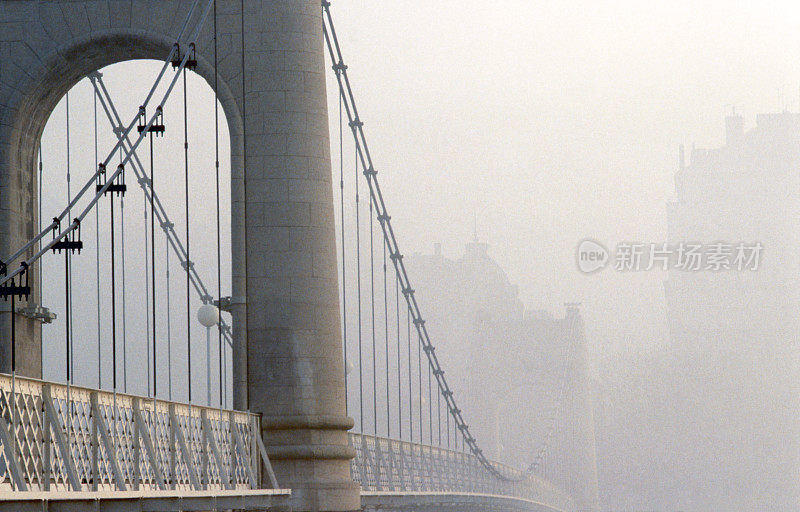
(734, 129)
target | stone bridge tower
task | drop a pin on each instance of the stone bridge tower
(287, 343)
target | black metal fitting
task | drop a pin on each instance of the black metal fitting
(118, 186)
(72, 242)
(157, 128)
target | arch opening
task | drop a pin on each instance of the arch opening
(129, 71)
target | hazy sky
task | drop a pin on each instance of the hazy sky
(555, 121)
(548, 122)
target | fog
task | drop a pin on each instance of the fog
(521, 129)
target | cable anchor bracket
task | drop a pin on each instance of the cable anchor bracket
(191, 62)
(157, 128)
(72, 242)
(118, 186)
(22, 291)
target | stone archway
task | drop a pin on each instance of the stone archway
(287, 338)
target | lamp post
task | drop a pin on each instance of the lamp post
(208, 316)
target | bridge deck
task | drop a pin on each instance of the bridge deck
(465, 501)
(140, 501)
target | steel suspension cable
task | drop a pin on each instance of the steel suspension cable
(153, 266)
(447, 429)
(216, 174)
(147, 295)
(113, 301)
(244, 179)
(169, 322)
(344, 277)
(97, 256)
(430, 408)
(188, 251)
(439, 417)
(372, 324)
(386, 342)
(69, 262)
(399, 365)
(14, 379)
(124, 291)
(358, 275)
(410, 385)
(39, 222)
(419, 388)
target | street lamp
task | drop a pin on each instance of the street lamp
(208, 316)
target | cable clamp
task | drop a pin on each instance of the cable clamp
(167, 226)
(187, 265)
(22, 291)
(419, 321)
(117, 186)
(157, 127)
(356, 123)
(191, 62)
(176, 56)
(56, 226)
(396, 256)
(438, 373)
(325, 4)
(408, 291)
(384, 218)
(339, 66)
(71, 242)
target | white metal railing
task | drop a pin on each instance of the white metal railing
(383, 464)
(55, 438)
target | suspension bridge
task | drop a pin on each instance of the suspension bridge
(317, 343)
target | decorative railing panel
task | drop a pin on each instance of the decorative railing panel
(383, 464)
(57, 438)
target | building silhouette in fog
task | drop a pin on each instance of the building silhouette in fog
(731, 431)
(514, 367)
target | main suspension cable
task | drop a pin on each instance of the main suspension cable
(376, 196)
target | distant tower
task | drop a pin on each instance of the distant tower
(733, 425)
